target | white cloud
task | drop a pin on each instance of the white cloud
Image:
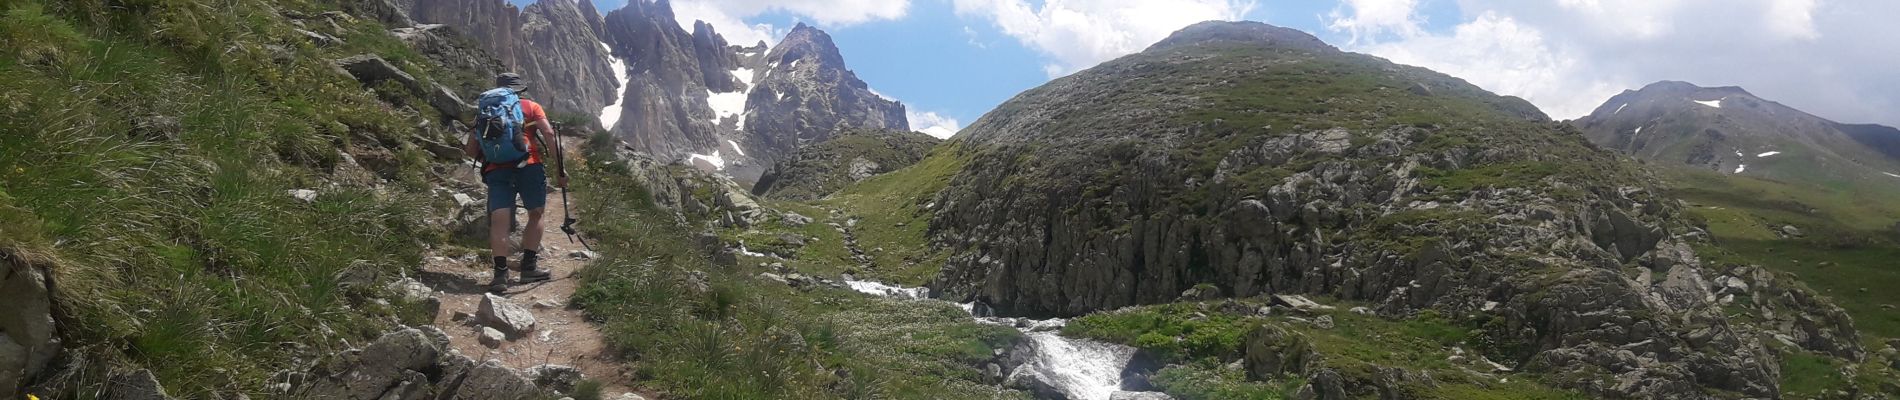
(1568, 56)
(933, 124)
(1370, 18)
(728, 16)
(1078, 34)
(1793, 18)
(1498, 54)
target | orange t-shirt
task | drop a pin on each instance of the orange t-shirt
(535, 117)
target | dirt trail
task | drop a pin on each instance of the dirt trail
(562, 334)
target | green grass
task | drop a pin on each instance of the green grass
(1808, 375)
(1848, 245)
(1198, 339)
(741, 337)
(1204, 381)
(894, 217)
(179, 249)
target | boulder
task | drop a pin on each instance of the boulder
(1298, 302)
(412, 291)
(28, 337)
(1271, 351)
(1029, 380)
(371, 69)
(135, 385)
(559, 378)
(1139, 396)
(491, 337)
(794, 219)
(504, 315)
(370, 372)
(492, 381)
(451, 106)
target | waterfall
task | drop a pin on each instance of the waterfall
(1081, 369)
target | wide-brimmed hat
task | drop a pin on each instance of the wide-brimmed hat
(512, 81)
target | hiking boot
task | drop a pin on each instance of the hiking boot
(531, 271)
(500, 284)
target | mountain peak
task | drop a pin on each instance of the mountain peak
(805, 40)
(1686, 87)
(1242, 32)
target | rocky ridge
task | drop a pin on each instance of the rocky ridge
(1425, 194)
(853, 156)
(553, 44)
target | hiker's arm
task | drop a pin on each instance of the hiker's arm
(472, 147)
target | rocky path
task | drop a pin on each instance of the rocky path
(560, 335)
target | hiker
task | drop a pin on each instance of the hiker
(510, 133)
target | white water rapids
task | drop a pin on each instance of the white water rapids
(1081, 369)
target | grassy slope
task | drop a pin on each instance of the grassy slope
(1201, 339)
(1846, 255)
(184, 254)
(745, 337)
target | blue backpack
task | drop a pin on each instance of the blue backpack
(498, 126)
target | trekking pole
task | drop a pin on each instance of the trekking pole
(567, 212)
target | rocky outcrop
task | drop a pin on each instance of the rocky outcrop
(664, 111)
(806, 94)
(716, 60)
(820, 169)
(555, 45)
(29, 339)
(1192, 182)
(411, 363)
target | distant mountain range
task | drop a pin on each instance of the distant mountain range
(672, 93)
(1731, 131)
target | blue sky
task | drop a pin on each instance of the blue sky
(957, 59)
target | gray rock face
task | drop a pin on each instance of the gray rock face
(806, 95)
(1183, 190)
(371, 69)
(664, 107)
(28, 337)
(552, 44)
(504, 315)
(450, 49)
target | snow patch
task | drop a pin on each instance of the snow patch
(610, 114)
(1619, 109)
(726, 105)
(745, 76)
(1740, 168)
(735, 147)
(714, 159)
(1891, 174)
(1767, 154)
(1717, 103)
(795, 63)
(1639, 130)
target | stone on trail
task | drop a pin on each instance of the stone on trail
(505, 315)
(491, 337)
(1139, 396)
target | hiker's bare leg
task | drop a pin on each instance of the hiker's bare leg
(531, 236)
(498, 223)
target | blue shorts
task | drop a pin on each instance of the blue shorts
(530, 183)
